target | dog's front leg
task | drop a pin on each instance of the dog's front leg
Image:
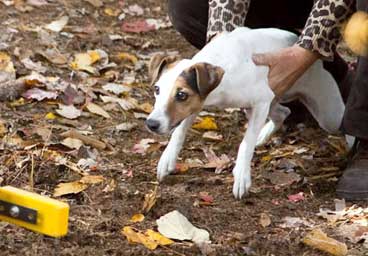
(167, 162)
(241, 171)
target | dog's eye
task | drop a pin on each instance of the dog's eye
(181, 96)
(157, 90)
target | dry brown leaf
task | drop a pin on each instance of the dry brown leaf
(96, 109)
(69, 188)
(319, 240)
(150, 200)
(72, 143)
(264, 220)
(139, 217)
(219, 163)
(69, 112)
(134, 236)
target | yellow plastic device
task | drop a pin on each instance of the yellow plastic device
(33, 211)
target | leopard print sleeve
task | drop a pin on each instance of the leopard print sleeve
(322, 30)
(226, 15)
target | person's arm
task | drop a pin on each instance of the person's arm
(318, 40)
(322, 30)
(226, 15)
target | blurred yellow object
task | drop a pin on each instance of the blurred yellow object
(33, 211)
(355, 33)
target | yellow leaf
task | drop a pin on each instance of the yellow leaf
(96, 109)
(158, 238)
(111, 12)
(266, 158)
(207, 123)
(139, 217)
(69, 188)
(319, 240)
(124, 56)
(83, 61)
(50, 116)
(95, 56)
(6, 64)
(18, 102)
(137, 237)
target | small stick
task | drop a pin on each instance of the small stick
(86, 139)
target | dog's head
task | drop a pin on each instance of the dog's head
(180, 90)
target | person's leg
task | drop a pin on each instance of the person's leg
(353, 185)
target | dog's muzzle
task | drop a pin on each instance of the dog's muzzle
(153, 125)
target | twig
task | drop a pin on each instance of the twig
(31, 179)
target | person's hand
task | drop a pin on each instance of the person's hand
(286, 66)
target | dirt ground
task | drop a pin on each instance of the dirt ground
(300, 158)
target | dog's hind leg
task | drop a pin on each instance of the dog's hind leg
(277, 116)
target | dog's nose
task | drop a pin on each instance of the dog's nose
(153, 124)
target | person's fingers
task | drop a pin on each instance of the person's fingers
(263, 59)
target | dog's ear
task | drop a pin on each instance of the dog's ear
(208, 77)
(157, 63)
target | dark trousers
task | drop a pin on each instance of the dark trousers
(355, 120)
(190, 18)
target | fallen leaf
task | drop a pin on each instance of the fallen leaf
(69, 188)
(355, 232)
(206, 198)
(116, 88)
(37, 3)
(96, 109)
(138, 237)
(296, 197)
(139, 217)
(319, 240)
(150, 200)
(124, 56)
(50, 116)
(219, 163)
(207, 123)
(39, 94)
(158, 238)
(264, 220)
(176, 226)
(7, 70)
(125, 104)
(143, 146)
(111, 12)
(95, 3)
(138, 26)
(69, 112)
(35, 66)
(281, 178)
(211, 135)
(182, 167)
(294, 222)
(58, 25)
(126, 127)
(83, 61)
(146, 107)
(72, 143)
(92, 179)
(53, 56)
(135, 10)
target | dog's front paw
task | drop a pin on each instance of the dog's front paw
(166, 165)
(242, 181)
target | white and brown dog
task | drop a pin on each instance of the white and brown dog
(223, 74)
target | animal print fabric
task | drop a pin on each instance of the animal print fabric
(321, 32)
(226, 15)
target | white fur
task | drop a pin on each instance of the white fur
(245, 85)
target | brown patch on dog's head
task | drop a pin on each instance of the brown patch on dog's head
(158, 63)
(191, 89)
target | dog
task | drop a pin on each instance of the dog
(223, 74)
